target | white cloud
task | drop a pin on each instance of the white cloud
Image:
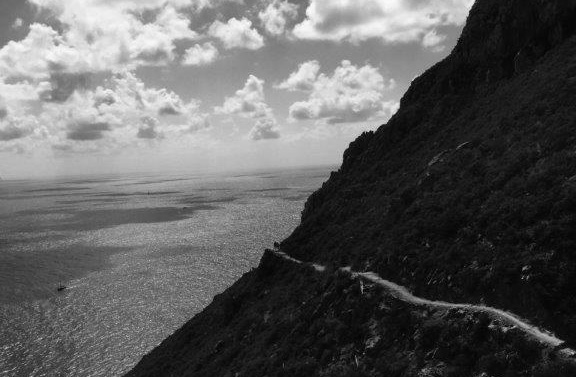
(117, 5)
(433, 41)
(97, 36)
(40, 53)
(265, 129)
(127, 98)
(18, 23)
(392, 21)
(351, 94)
(105, 117)
(195, 121)
(276, 15)
(20, 91)
(127, 93)
(237, 34)
(148, 128)
(303, 79)
(200, 54)
(154, 42)
(249, 102)
(52, 80)
(15, 128)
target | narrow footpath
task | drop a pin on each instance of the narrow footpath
(503, 318)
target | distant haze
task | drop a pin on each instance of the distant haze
(212, 85)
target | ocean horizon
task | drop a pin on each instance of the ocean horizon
(139, 255)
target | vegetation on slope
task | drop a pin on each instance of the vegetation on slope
(287, 320)
(470, 197)
(468, 194)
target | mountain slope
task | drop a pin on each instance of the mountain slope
(287, 319)
(467, 195)
(469, 192)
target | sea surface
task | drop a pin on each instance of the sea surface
(140, 255)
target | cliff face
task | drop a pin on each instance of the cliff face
(467, 195)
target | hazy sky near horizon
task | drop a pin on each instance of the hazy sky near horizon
(113, 86)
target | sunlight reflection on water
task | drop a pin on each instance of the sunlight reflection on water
(137, 269)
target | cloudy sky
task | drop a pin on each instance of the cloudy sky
(113, 86)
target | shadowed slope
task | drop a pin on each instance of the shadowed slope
(467, 195)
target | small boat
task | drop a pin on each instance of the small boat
(61, 287)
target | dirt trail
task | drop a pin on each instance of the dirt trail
(401, 293)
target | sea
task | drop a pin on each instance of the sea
(139, 254)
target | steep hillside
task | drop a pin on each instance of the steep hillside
(469, 192)
(467, 195)
(289, 320)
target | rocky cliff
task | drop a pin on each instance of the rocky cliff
(467, 195)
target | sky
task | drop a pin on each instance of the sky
(121, 86)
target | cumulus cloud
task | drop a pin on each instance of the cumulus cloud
(168, 103)
(126, 95)
(148, 128)
(71, 84)
(134, 5)
(97, 36)
(196, 121)
(154, 43)
(200, 54)
(265, 129)
(276, 16)
(392, 21)
(39, 54)
(303, 79)
(110, 115)
(250, 102)
(350, 94)
(237, 34)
